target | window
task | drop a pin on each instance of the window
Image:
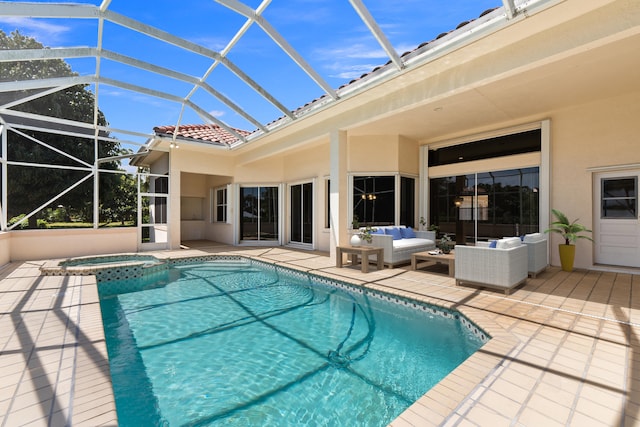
(506, 145)
(497, 202)
(374, 200)
(486, 205)
(327, 215)
(301, 200)
(220, 208)
(407, 201)
(619, 198)
(259, 210)
(154, 197)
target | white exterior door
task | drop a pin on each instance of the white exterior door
(617, 225)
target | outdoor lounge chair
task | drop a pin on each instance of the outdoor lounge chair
(503, 267)
(537, 253)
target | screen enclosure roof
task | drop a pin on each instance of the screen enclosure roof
(248, 68)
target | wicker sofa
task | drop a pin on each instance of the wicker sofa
(503, 267)
(398, 251)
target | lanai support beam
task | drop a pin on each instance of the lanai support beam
(510, 8)
(195, 48)
(371, 23)
(280, 41)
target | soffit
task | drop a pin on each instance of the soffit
(588, 71)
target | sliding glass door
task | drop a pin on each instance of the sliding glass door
(259, 213)
(486, 205)
(301, 198)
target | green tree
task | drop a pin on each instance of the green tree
(120, 201)
(31, 186)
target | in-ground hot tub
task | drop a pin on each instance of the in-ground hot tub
(106, 267)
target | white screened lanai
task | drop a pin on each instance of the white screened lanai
(86, 97)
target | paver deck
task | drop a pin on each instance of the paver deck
(564, 348)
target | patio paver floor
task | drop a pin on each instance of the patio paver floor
(565, 347)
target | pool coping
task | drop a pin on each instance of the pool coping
(436, 407)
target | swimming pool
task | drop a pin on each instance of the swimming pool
(246, 343)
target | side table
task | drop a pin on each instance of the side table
(360, 251)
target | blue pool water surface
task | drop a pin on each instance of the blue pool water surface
(235, 343)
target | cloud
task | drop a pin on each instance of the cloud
(108, 93)
(350, 60)
(343, 71)
(213, 43)
(43, 31)
(354, 50)
(217, 113)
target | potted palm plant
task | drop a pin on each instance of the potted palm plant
(570, 232)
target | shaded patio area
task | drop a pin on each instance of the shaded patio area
(565, 347)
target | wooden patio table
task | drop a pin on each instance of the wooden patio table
(360, 251)
(440, 258)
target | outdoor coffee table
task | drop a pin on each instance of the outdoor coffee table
(359, 251)
(439, 258)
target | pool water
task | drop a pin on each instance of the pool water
(221, 343)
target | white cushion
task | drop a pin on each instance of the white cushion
(508, 243)
(533, 237)
(408, 243)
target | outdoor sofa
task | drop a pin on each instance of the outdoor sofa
(399, 242)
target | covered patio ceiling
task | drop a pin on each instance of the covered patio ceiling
(593, 69)
(239, 66)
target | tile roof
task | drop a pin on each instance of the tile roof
(202, 132)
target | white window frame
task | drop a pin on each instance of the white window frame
(215, 204)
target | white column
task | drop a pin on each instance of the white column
(423, 184)
(338, 191)
(175, 190)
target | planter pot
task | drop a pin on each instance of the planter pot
(355, 240)
(567, 256)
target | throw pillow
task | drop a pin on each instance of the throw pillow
(407, 233)
(393, 232)
(493, 243)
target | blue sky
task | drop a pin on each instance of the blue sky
(328, 34)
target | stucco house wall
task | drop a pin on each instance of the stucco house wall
(5, 248)
(586, 138)
(596, 134)
(47, 244)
